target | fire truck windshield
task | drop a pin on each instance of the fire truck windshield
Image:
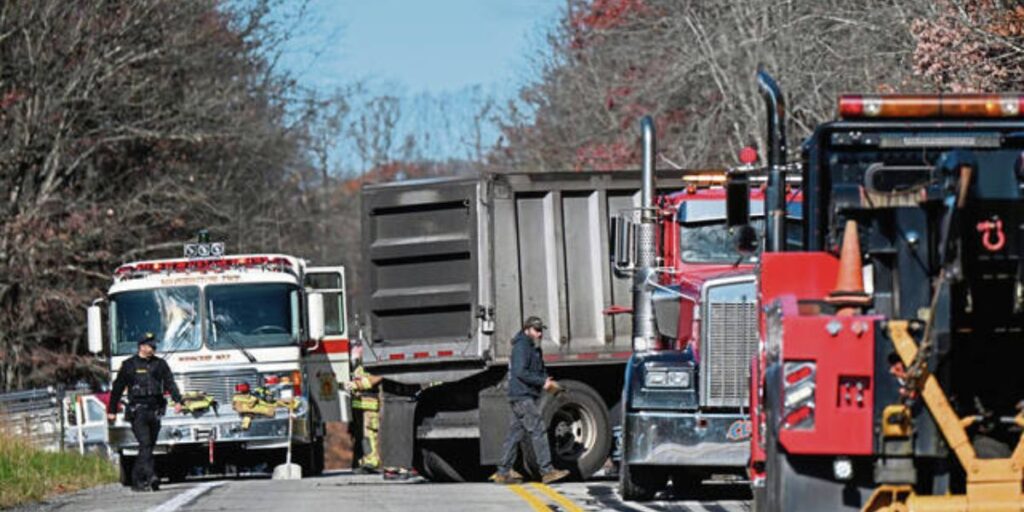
(252, 315)
(169, 313)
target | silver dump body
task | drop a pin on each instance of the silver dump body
(453, 266)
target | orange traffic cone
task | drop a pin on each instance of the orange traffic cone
(849, 294)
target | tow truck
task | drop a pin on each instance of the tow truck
(887, 377)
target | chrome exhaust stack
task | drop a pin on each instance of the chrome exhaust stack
(644, 329)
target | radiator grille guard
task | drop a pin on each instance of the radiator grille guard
(220, 385)
(728, 341)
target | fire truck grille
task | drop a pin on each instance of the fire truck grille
(729, 342)
(220, 385)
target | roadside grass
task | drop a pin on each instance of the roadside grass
(28, 474)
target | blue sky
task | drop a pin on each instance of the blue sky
(432, 45)
(411, 47)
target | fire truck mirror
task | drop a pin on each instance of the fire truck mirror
(737, 201)
(315, 310)
(94, 321)
(744, 239)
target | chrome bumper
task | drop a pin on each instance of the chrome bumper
(675, 439)
(183, 432)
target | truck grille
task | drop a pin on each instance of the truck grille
(220, 385)
(728, 343)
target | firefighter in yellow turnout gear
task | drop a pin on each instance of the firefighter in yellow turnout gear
(366, 399)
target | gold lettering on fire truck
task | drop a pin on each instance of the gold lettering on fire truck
(171, 281)
(204, 357)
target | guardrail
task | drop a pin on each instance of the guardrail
(36, 415)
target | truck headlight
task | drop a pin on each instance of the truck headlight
(667, 379)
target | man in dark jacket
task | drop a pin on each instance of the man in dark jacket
(527, 378)
(147, 377)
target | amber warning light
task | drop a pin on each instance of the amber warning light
(853, 106)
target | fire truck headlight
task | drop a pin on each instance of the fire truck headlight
(842, 469)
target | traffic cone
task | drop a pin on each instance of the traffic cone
(849, 294)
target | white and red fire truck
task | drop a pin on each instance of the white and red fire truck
(256, 324)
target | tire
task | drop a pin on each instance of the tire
(640, 483)
(125, 465)
(579, 432)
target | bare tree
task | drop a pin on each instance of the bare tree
(691, 64)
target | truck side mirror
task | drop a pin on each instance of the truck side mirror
(315, 312)
(623, 248)
(744, 239)
(94, 322)
(737, 200)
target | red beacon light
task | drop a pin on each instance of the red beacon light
(748, 155)
(860, 106)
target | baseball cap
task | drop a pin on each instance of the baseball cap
(148, 338)
(535, 322)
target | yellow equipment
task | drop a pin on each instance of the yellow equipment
(993, 485)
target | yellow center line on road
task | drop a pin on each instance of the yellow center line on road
(529, 498)
(566, 503)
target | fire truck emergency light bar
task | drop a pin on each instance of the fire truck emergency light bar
(205, 265)
(856, 106)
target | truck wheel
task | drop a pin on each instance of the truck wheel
(578, 430)
(125, 465)
(640, 482)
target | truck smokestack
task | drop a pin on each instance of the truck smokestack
(775, 200)
(643, 307)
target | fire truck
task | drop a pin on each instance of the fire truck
(265, 328)
(694, 332)
(887, 374)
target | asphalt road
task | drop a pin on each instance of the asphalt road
(344, 491)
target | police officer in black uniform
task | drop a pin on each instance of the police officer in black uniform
(147, 378)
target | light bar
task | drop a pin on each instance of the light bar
(205, 265)
(856, 106)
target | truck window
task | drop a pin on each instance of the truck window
(252, 315)
(330, 286)
(169, 313)
(710, 242)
